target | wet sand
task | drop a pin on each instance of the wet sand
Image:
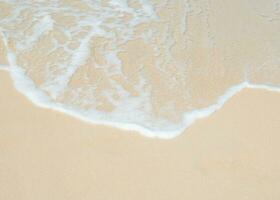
(184, 64)
(233, 154)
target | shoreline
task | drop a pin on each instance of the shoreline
(232, 154)
(210, 62)
(39, 99)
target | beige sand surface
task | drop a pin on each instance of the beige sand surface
(47, 155)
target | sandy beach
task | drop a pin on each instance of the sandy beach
(232, 154)
(148, 65)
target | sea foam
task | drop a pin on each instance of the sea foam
(128, 64)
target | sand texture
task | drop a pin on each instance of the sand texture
(150, 69)
(180, 59)
(231, 155)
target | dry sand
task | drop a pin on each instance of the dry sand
(233, 154)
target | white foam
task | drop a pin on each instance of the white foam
(131, 112)
(27, 87)
(265, 87)
(42, 27)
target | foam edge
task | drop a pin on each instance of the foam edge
(26, 87)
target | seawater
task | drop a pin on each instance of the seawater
(146, 65)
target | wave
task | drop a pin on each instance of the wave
(28, 89)
(147, 66)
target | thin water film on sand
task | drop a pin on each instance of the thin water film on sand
(147, 65)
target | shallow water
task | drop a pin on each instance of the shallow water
(146, 65)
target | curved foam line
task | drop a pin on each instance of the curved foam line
(27, 88)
